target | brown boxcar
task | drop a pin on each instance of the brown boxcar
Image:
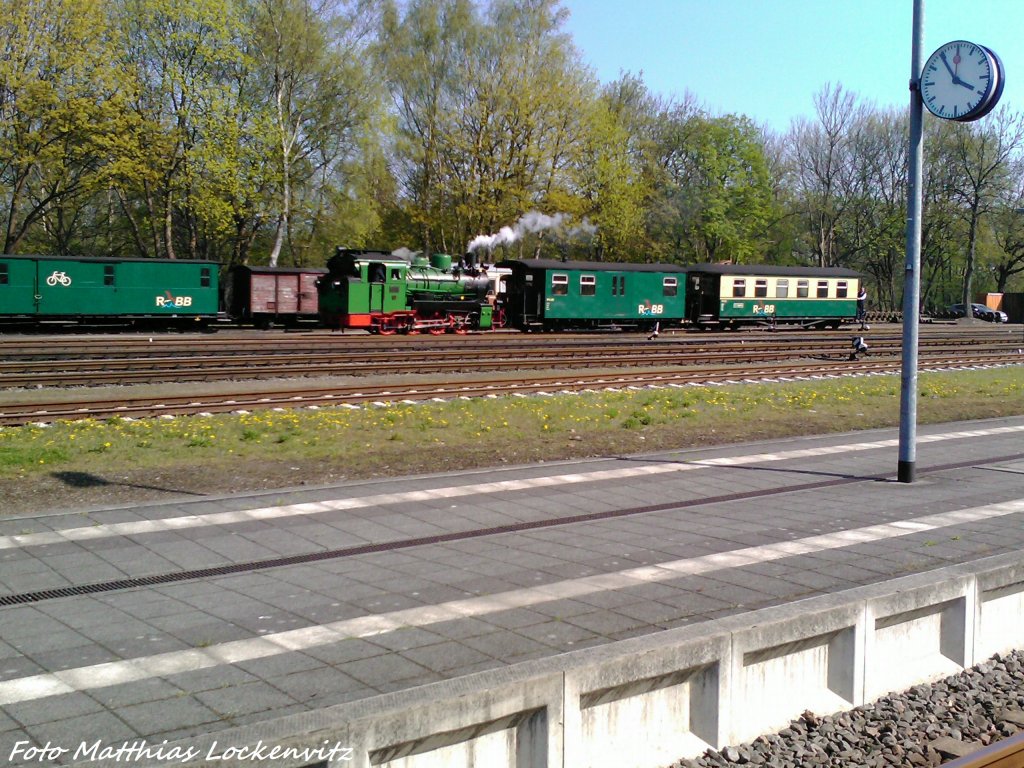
(267, 295)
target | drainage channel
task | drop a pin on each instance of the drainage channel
(313, 557)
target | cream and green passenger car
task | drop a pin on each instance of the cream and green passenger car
(735, 295)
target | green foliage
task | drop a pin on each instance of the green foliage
(270, 131)
(716, 187)
(62, 114)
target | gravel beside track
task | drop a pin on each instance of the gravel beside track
(977, 707)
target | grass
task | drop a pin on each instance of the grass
(397, 438)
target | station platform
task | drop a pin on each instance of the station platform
(132, 636)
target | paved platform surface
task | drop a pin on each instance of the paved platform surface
(165, 621)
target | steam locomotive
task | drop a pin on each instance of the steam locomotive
(385, 294)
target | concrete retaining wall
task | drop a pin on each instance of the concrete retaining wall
(648, 701)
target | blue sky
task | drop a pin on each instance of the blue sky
(767, 58)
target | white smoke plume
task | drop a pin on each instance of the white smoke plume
(531, 222)
(583, 229)
(405, 253)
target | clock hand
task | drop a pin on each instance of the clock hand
(948, 68)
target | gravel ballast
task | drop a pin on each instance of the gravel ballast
(924, 726)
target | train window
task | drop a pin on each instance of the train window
(801, 289)
(760, 288)
(588, 285)
(108, 274)
(396, 274)
(841, 290)
(559, 285)
(782, 288)
(739, 288)
(204, 277)
(4, 279)
(823, 289)
(669, 286)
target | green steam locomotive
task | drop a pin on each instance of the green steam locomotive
(386, 294)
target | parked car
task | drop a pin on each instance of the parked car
(979, 311)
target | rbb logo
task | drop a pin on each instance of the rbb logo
(650, 309)
(173, 301)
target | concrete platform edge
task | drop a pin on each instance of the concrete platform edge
(712, 684)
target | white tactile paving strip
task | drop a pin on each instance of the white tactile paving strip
(142, 668)
(135, 528)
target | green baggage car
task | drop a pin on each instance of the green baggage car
(68, 288)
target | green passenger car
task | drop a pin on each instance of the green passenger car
(735, 295)
(546, 294)
(80, 288)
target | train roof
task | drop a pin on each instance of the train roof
(106, 259)
(771, 270)
(264, 270)
(588, 266)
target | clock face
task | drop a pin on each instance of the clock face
(959, 81)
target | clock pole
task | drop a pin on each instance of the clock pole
(912, 281)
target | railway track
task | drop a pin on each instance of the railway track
(1008, 753)
(127, 367)
(15, 413)
(244, 342)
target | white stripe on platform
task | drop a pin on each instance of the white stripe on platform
(176, 662)
(450, 492)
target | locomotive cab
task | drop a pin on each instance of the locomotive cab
(360, 286)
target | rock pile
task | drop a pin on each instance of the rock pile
(925, 726)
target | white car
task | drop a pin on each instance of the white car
(979, 311)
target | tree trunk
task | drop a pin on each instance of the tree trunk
(969, 266)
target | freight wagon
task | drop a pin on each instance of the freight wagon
(67, 288)
(263, 296)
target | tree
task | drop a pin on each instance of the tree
(490, 106)
(613, 169)
(1008, 229)
(874, 191)
(422, 59)
(717, 179)
(176, 53)
(309, 62)
(60, 115)
(821, 156)
(979, 154)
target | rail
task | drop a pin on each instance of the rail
(17, 413)
(1007, 753)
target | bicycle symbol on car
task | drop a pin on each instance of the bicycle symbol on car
(58, 277)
